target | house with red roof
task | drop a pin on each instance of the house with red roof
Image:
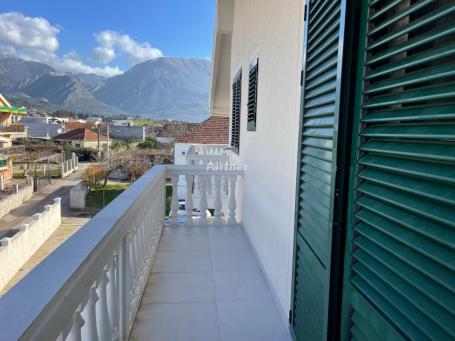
(84, 138)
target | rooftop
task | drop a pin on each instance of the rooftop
(82, 134)
(214, 130)
(174, 129)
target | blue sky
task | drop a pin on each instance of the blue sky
(105, 37)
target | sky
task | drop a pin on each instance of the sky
(105, 37)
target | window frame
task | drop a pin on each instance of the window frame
(236, 111)
(252, 103)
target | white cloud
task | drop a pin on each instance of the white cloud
(112, 43)
(25, 32)
(34, 38)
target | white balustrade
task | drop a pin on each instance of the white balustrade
(90, 288)
(223, 198)
(202, 154)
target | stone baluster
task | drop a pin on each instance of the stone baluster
(226, 184)
(232, 203)
(209, 184)
(189, 200)
(174, 200)
(112, 296)
(102, 314)
(203, 201)
(124, 279)
(89, 330)
(217, 203)
(74, 326)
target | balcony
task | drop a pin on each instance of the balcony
(130, 273)
(12, 150)
(14, 131)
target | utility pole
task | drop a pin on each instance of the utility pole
(99, 150)
(108, 145)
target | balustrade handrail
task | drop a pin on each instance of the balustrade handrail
(15, 128)
(205, 170)
(91, 286)
(49, 302)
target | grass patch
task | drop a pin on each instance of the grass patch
(55, 173)
(99, 199)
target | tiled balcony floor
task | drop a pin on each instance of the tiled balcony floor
(206, 285)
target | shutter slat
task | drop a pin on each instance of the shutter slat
(420, 113)
(384, 9)
(418, 169)
(424, 189)
(404, 131)
(425, 56)
(414, 43)
(425, 20)
(414, 78)
(408, 11)
(420, 321)
(434, 291)
(416, 260)
(430, 151)
(426, 227)
(430, 249)
(430, 93)
(419, 207)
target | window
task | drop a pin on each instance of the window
(252, 95)
(236, 109)
(78, 145)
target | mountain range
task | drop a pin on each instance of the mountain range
(161, 88)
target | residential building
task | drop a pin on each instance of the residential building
(129, 122)
(74, 124)
(339, 223)
(42, 127)
(127, 133)
(8, 133)
(84, 138)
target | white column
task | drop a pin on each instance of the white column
(203, 202)
(75, 326)
(217, 203)
(89, 331)
(174, 200)
(102, 313)
(189, 200)
(232, 204)
(112, 298)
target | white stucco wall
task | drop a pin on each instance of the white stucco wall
(270, 153)
(15, 200)
(15, 251)
(78, 196)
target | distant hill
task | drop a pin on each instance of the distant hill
(90, 80)
(67, 91)
(16, 73)
(164, 88)
(161, 88)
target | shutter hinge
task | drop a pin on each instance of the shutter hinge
(290, 316)
(301, 77)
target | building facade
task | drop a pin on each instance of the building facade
(343, 114)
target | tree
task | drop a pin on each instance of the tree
(149, 143)
(93, 176)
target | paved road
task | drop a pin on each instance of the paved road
(58, 188)
(71, 221)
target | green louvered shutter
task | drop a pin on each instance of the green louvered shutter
(401, 246)
(317, 167)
